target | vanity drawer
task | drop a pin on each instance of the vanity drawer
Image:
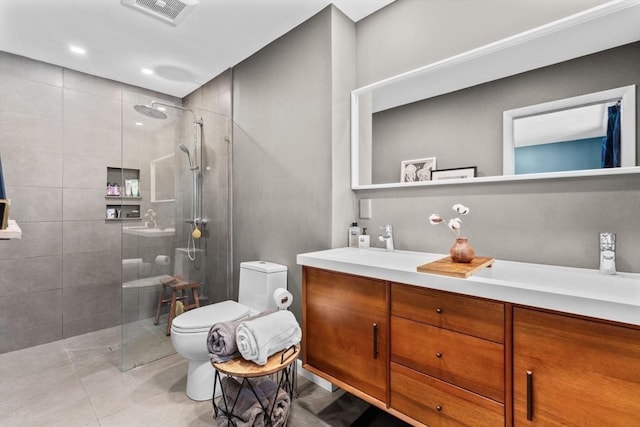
(472, 316)
(463, 360)
(436, 403)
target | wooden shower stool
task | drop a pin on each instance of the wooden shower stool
(176, 285)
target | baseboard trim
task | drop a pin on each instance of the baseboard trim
(321, 382)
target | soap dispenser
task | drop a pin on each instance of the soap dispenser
(354, 233)
(364, 239)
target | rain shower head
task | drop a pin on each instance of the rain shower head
(150, 111)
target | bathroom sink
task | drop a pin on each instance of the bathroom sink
(141, 230)
(622, 287)
(377, 257)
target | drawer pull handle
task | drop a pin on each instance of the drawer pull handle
(438, 355)
(439, 310)
(439, 408)
(375, 340)
(529, 395)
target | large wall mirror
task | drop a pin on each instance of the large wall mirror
(587, 62)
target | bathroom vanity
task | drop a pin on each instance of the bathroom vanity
(514, 344)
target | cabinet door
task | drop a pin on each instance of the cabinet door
(345, 329)
(580, 372)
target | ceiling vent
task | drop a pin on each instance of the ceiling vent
(169, 11)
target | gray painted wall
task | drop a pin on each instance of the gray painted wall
(552, 222)
(284, 135)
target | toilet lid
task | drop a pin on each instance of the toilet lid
(203, 318)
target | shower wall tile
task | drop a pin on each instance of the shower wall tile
(28, 275)
(93, 85)
(93, 323)
(92, 141)
(25, 132)
(90, 236)
(30, 98)
(26, 168)
(92, 110)
(43, 308)
(30, 69)
(85, 172)
(31, 204)
(38, 239)
(91, 269)
(81, 302)
(81, 204)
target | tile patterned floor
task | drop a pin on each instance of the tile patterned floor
(78, 382)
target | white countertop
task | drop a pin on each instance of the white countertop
(571, 290)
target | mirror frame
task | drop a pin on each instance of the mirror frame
(606, 26)
(627, 97)
(152, 172)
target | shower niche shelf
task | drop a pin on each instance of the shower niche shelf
(122, 207)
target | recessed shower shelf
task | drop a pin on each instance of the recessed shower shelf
(122, 198)
(122, 207)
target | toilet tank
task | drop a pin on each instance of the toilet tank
(258, 280)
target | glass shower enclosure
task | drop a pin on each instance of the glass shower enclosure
(173, 205)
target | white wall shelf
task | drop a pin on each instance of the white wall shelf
(12, 231)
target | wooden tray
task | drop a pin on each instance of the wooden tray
(447, 267)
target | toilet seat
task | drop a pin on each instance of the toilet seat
(202, 319)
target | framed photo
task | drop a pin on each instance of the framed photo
(417, 170)
(457, 173)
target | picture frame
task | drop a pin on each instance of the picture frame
(454, 173)
(417, 170)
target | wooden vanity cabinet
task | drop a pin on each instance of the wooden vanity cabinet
(572, 371)
(345, 331)
(447, 357)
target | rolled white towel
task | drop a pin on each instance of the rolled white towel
(260, 338)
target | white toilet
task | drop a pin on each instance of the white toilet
(189, 331)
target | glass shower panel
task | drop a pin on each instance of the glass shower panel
(170, 154)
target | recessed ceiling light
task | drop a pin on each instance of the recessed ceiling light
(139, 123)
(78, 50)
(147, 71)
(162, 109)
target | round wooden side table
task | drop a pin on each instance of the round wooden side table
(281, 365)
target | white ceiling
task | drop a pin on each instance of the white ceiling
(120, 41)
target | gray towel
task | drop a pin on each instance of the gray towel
(247, 411)
(259, 338)
(280, 407)
(221, 340)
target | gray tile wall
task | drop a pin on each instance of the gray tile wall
(212, 102)
(59, 131)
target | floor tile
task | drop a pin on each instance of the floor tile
(78, 382)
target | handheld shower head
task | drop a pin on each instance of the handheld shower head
(188, 153)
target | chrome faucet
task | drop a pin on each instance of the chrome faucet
(607, 253)
(387, 237)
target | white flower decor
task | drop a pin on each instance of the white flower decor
(454, 224)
